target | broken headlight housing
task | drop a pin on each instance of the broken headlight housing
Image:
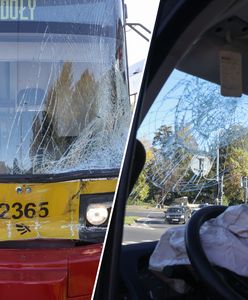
(94, 212)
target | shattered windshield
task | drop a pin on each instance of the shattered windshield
(63, 102)
(197, 144)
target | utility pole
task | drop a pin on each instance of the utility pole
(218, 173)
(244, 185)
(221, 189)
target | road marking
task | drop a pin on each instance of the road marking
(129, 242)
(146, 225)
(143, 226)
(136, 242)
(147, 241)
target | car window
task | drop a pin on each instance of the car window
(174, 210)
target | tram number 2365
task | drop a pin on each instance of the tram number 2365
(18, 210)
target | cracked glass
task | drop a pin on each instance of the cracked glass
(64, 117)
(63, 103)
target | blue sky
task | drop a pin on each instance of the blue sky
(144, 12)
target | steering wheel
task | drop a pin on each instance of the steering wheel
(214, 280)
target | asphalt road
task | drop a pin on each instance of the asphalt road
(145, 213)
(149, 226)
(135, 234)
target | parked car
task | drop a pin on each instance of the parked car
(177, 214)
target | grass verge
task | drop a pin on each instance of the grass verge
(129, 220)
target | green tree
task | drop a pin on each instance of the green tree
(84, 100)
(234, 164)
(161, 136)
(172, 154)
(143, 189)
(69, 107)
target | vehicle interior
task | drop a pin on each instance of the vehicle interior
(195, 83)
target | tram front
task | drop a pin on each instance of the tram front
(64, 116)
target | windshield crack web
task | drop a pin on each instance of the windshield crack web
(194, 138)
(71, 115)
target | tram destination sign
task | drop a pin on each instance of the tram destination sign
(23, 10)
(54, 12)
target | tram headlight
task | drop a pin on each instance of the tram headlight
(94, 210)
(97, 214)
(94, 213)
